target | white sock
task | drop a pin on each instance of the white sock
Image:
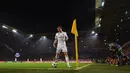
(67, 60)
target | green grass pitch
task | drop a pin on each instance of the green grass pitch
(33, 65)
(11, 67)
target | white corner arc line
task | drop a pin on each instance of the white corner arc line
(82, 67)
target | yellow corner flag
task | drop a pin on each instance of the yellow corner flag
(75, 32)
(74, 28)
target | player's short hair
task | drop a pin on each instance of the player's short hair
(59, 27)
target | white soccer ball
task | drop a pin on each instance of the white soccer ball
(54, 65)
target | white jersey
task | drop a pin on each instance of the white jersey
(61, 38)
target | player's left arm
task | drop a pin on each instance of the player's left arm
(66, 36)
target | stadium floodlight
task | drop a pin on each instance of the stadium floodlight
(4, 27)
(93, 32)
(99, 25)
(121, 20)
(14, 30)
(100, 19)
(31, 35)
(126, 12)
(96, 34)
(44, 37)
(104, 40)
(103, 3)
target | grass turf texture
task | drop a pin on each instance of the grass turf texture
(32, 65)
(44, 68)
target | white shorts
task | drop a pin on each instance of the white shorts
(58, 50)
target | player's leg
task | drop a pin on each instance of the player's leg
(112, 62)
(119, 61)
(57, 55)
(64, 50)
(111, 59)
(115, 62)
(67, 59)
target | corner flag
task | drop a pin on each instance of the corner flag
(74, 28)
(75, 32)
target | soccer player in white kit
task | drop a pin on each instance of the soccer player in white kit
(60, 45)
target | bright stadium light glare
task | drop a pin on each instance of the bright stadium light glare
(31, 35)
(44, 37)
(100, 19)
(4, 27)
(126, 12)
(96, 34)
(99, 25)
(15, 31)
(104, 40)
(93, 32)
(103, 3)
(121, 20)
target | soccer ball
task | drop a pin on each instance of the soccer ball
(54, 65)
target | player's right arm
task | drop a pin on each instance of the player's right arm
(55, 41)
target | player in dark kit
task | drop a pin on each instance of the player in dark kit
(119, 54)
(116, 54)
(112, 54)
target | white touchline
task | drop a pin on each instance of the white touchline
(69, 68)
(82, 67)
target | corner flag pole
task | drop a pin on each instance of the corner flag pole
(75, 32)
(76, 52)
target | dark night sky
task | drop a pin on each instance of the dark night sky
(37, 16)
